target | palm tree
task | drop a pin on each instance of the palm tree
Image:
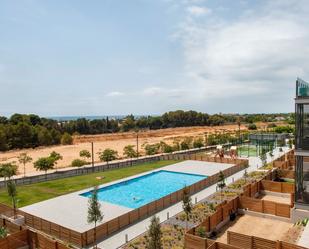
(7, 170)
(24, 159)
(11, 188)
(94, 212)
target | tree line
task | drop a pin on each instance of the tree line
(30, 131)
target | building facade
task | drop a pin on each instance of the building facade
(302, 145)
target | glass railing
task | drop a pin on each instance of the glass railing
(302, 88)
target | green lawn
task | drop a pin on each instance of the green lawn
(33, 193)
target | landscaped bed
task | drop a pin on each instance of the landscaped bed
(30, 194)
(199, 213)
(172, 238)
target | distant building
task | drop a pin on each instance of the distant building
(302, 145)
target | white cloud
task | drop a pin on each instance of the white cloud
(261, 52)
(150, 91)
(198, 11)
(114, 94)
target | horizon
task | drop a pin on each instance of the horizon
(113, 57)
(89, 116)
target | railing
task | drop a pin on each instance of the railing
(302, 88)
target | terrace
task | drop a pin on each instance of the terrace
(247, 224)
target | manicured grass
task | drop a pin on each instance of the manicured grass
(33, 193)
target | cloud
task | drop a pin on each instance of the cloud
(198, 11)
(115, 94)
(259, 53)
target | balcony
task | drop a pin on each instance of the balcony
(302, 88)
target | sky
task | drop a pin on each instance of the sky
(115, 57)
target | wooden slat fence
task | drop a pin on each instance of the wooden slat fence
(252, 242)
(15, 240)
(267, 207)
(279, 187)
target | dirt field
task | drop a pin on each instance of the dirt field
(115, 141)
(268, 228)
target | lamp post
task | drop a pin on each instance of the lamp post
(137, 143)
(92, 156)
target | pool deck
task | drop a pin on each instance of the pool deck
(70, 210)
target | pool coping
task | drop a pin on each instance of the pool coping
(87, 194)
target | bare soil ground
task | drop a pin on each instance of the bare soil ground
(279, 199)
(246, 224)
(116, 141)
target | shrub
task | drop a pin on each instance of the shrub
(201, 231)
(108, 155)
(252, 127)
(152, 149)
(3, 232)
(198, 143)
(78, 163)
(66, 139)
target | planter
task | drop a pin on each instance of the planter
(19, 220)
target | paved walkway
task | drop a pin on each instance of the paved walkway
(133, 231)
(304, 239)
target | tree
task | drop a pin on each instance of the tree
(186, 143)
(221, 183)
(166, 148)
(94, 212)
(66, 139)
(252, 127)
(246, 175)
(7, 170)
(154, 234)
(55, 156)
(198, 143)
(152, 149)
(108, 155)
(129, 151)
(85, 154)
(186, 204)
(12, 192)
(24, 159)
(44, 164)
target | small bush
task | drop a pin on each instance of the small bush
(201, 231)
(78, 163)
(252, 127)
(3, 232)
(66, 139)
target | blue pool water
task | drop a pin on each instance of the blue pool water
(139, 191)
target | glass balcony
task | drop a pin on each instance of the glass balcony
(302, 126)
(302, 180)
(302, 88)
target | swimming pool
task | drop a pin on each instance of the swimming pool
(141, 190)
